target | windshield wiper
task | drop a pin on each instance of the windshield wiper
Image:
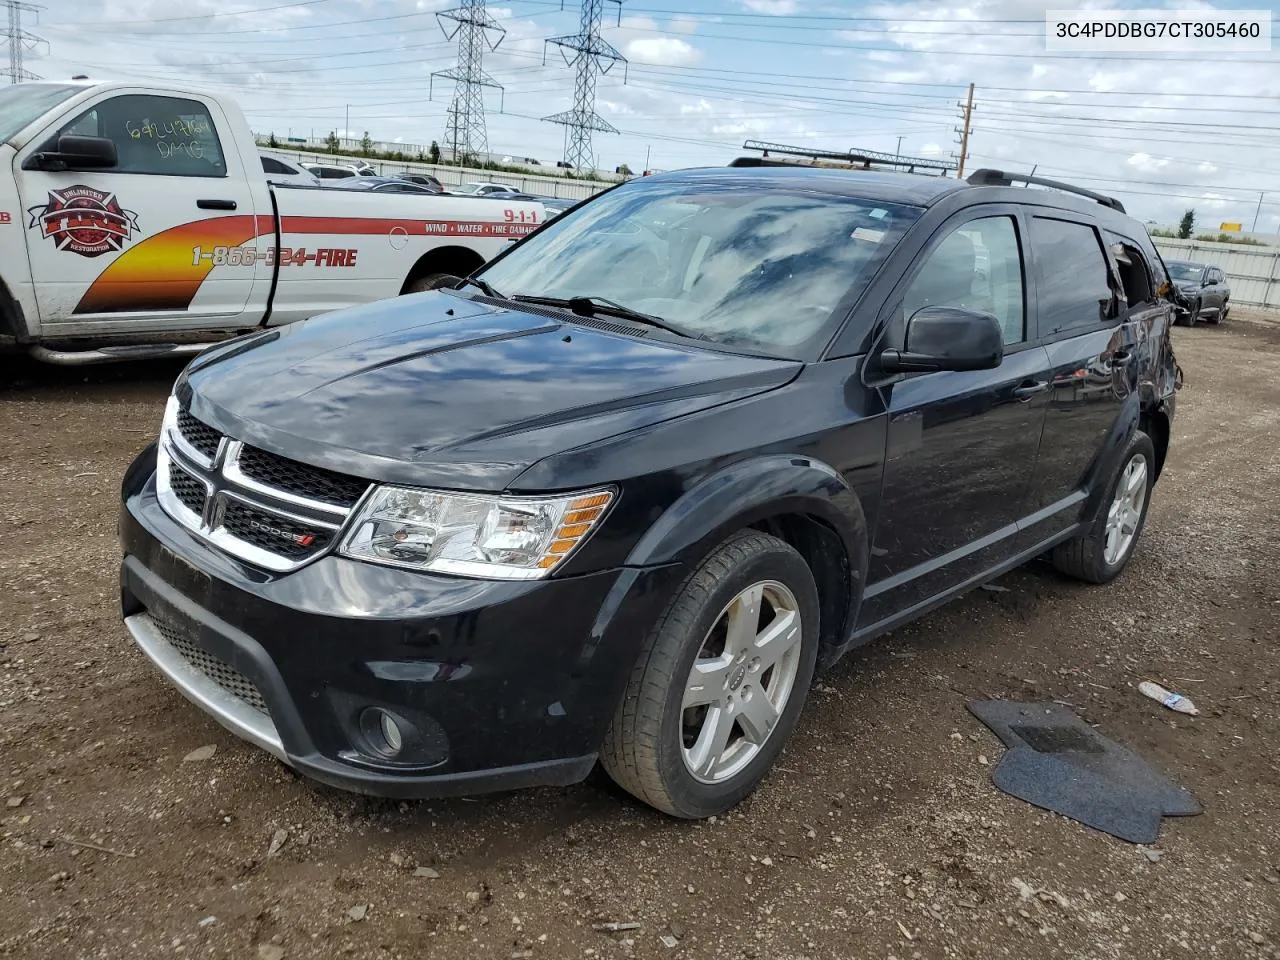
(483, 285)
(590, 306)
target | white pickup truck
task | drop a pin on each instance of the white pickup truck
(136, 221)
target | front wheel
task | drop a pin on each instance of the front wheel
(1102, 552)
(720, 682)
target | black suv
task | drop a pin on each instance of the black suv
(1202, 291)
(619, 494)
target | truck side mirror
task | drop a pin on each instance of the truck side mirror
(75, 153)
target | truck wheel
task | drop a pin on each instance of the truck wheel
(1221, 314)
(1101, 553)
(720, 682)
(431, 281)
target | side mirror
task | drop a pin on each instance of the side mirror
(75, 153)
(947, 338)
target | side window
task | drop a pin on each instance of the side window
(155, 135)
(1073, 280)
(978, 265)
(1135, 274)
(274, 166)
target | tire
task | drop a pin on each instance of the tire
(430, 281)
(1221, 314)
(1195, 314)
(653, 740)
(1086, 558)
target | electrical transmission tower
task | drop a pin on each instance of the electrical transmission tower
(19, 41)
(464, 129)
(591, 55)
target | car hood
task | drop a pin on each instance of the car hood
(438, 390)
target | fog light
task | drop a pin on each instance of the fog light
(390, 732)
(382, 731)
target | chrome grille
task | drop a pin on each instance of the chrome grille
(188, 489)
(202, 437)
(301, 479)
(272, 532)
(224, 675)
(268, 510)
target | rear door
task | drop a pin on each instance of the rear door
(141, 241)
(1219, 289)
(1094, 339)
(961, 445)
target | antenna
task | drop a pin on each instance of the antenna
(591, 55)
(19, 40)
(464, 129)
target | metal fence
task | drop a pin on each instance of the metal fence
(543, 186)
(1252, 272)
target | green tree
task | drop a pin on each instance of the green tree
(435, 152)
(272, 141)
(624, 170)
(366, 144)
(331, 142)
(1186, 225)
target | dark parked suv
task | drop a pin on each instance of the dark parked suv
(618, 495)
(1202, 291)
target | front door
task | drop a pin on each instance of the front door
(962, 446)
(139, 240)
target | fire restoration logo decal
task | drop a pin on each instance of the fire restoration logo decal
(85, 221)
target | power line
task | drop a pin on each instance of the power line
(592, 55)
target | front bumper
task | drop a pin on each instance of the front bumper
(496, 685)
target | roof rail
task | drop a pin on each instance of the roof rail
(999, 178)
(862, 159)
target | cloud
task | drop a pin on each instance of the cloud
(774, 8)
(663, 51)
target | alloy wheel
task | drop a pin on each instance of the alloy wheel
(740, 682)
(1125, 513)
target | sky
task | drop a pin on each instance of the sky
(1164, 132)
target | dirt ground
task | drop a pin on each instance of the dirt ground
(880, 836)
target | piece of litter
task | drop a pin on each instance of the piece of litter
(358, 912)
(615, 927)
(277, 841)
(1174, 701)
(200, 753)
(994, 588)
(426, 872)
(1152, 855)
(521, 954)
(905, 932)
(669, 941)
(207, 922)
(982, 759)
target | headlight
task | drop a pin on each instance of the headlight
(503, 538)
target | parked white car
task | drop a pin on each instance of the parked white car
(280, 170)
(339, 171)
(482, 189)
(136, 220)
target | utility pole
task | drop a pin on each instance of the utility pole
(19, 40)
(898, 151)
(647, 149)
(592, 54)
(1254, 228)
(346, 126)
(464, 124)
(964, 132)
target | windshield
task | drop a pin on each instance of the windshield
(23, 102)
(731, 262)
(1184, 271)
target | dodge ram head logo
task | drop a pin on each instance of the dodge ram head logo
(85, 221)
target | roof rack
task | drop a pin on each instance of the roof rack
(772, 154)
(1000, 178)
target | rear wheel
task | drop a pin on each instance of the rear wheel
(721, 681)
(1102, 552)
(431, 281)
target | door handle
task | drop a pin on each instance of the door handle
(1120, 358)
(216, 204)
(1029, 388)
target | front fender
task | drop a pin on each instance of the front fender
(769, 492)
